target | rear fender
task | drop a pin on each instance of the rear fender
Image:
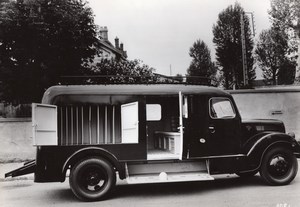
(261, 143)
(92, 152)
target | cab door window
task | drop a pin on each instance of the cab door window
(221, 108)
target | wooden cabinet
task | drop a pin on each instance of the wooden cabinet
(167, 141)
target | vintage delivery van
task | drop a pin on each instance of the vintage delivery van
(151, 134)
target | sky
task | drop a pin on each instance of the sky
(160, 32)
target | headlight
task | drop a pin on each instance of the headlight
(292, 134)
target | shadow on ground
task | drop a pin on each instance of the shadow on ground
(166, 189)
(186, 188)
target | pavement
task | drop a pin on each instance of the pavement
(225, 191)
(7, 167)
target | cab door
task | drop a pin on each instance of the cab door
(212, 128)
(196, 125)
(224, 126)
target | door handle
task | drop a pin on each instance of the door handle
(212, 129)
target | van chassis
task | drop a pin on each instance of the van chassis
(95, 143)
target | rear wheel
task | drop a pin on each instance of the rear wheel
(279, 166)
(92, 179)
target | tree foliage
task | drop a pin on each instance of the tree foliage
(285, 14)
(285, 17)
(123, 71)
(270, 55)
(201, 64)
(41, 40)
(276, 50)
(227, 38)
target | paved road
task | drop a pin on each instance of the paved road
(227, 190)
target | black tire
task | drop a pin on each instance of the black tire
(247, 174)
(92, 179)
(279, 166)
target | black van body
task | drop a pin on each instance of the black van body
(153, 133)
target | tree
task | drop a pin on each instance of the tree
(287, 72)
(201, 65)
(122, 71)
(285, 14)
(40, 41)
(270, 55)
(285, 18)
(227, 38)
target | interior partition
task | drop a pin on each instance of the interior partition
(97, 120)
(89, 124)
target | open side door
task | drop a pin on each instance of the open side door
(130, 122)
(44, 124)
(182, 113)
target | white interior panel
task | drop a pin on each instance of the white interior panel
(130, 123)
(44, 122)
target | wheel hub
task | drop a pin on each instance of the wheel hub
(93, 179)
(279, 166)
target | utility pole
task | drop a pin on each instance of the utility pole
(297, 29)
(244, 51)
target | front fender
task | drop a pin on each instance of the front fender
(259, 144)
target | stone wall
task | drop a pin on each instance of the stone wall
(15, 111)
(284, 106)
(16, 140)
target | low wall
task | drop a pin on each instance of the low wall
(12, 111)
(278, 104)
(16, 140)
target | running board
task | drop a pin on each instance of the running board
(168, 177)
(167, 171)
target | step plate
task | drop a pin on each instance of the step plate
(170, 177)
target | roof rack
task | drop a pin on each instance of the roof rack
(132, 79)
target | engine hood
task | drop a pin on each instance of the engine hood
(262, 125)
(266, 121)
(251, 127)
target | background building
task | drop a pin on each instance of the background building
(107, 50)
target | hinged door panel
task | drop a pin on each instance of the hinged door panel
(130, 122)
(44, 122)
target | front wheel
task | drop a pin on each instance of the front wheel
(279, 166)
(92, 179)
